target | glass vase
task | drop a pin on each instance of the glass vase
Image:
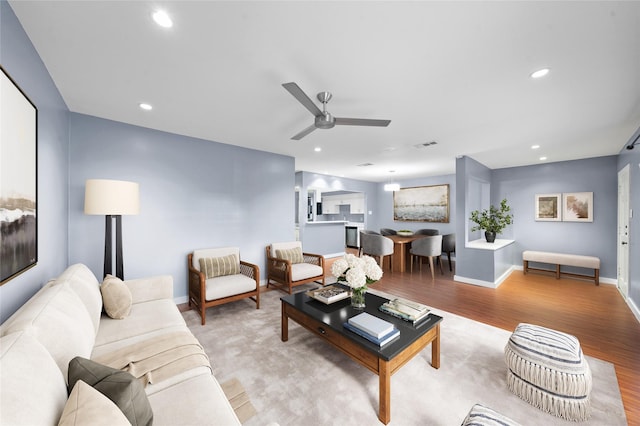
(358, 297)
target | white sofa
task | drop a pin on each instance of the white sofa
(64, 320)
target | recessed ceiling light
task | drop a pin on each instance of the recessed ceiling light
(317, 149)
(540, 73)
(535, 146)
(145, 107)
(543, 158)
(162, 18)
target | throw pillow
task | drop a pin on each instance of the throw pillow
(87, 406)
(293, 254)
(219, 266)
(116, 297)
(119, 386)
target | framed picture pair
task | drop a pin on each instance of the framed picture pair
(567, 207)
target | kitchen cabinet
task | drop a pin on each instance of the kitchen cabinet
(331, 203)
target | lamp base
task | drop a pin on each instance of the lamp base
(108, 248)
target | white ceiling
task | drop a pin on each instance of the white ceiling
(453, 72)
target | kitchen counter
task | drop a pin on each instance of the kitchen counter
(327, 222)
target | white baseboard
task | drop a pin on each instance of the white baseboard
(634, 308)
(482, 283)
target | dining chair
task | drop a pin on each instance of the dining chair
(362, 232)
(429, 247)
(388, 231)
(427, 232)
(449, 246)
(379, 246)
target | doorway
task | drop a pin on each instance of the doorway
(623, 231)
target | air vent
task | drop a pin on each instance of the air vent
(426, 144)
(365, 164)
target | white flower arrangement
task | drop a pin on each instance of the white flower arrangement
(357, 272)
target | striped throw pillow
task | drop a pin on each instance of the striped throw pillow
(293, 254)
(219, 266)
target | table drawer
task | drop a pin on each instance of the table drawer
(355, 351)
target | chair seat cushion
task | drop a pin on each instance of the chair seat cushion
(302, 271)
(228, 285)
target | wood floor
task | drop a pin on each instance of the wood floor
(596, 315)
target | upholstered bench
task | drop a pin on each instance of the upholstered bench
(479, 415)
(547, 369)
(559, 259)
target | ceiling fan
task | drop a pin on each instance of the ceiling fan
(323, 119)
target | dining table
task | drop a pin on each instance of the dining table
(401, 248)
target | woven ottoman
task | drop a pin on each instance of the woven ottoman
(479, 415)
(547, 369)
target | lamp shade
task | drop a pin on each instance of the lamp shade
(111, 197)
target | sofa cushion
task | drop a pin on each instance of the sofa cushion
(119, 386)
(87, 406)
(196, 401)
(85, 284)
(33, 389)
(116, 297)
(218, 266)
(146, 317)
(293, 254)
(57, 318)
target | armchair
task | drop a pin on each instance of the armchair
(217, 276)
(288, 266)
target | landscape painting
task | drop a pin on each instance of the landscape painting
(422, 204)
(18, 180)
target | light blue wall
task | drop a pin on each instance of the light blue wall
(22, 63)
(632, 158)
(519, 185)
(598, 238)
(193, 193)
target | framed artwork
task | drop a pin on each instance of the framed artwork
(548, 207)
(577, 206)
(422, 204)
(18, 180)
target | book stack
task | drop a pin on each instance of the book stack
(372, 328)
(328, 294)
(407, 310)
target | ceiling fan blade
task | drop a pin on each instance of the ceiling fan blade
(304, 133)
(361, 122)
(302, 97)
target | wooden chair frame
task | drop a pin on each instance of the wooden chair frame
(198, 288)
(279, 270)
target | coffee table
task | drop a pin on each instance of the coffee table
(326, 322)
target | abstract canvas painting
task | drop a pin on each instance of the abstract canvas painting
(577, 207)
(18, 180)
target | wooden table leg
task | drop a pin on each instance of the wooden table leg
(384, 374)
(435, 349)
(285, 325)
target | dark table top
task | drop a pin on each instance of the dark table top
(336, 314)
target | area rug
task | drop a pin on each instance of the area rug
(305, 381)
(238, 399)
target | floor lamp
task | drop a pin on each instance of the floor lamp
(112, 198)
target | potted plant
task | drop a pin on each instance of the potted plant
(492, 221)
